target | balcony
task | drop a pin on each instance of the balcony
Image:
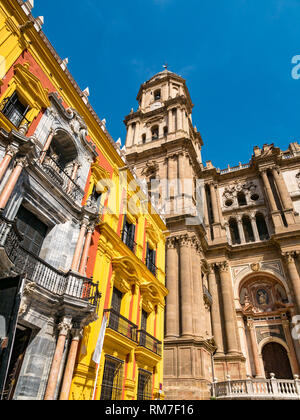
(150, 343)
(128, 241)
(258, 389)
(16, 260)
(121, 325)
(151, 267)
(60, 178)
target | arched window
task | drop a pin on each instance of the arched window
(247, 226)
(155, 132)
(262, 227)
(63, 151)
(157, 95)
(144, 138)
(234, 232)
(242, 199)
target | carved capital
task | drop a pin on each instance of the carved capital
(22, 161)
(289, 257)
(223, 267)
(171, 243)
(64, 328)
(185, 241)
(12, 150)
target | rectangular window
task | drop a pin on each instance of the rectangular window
(33, 230)
(128, 235)
(151, 260)
(144, 386)
(112, 382)
(114, 319)
(14, 110)
(143, 328)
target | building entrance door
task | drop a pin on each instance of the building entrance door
(276, 361)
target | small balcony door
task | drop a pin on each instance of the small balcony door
(116, 307)
(33, 230)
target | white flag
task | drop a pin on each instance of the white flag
(99, 346)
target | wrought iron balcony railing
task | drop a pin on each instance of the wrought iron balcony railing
(128, 241)
(121, 325)
(151, 267)
(151, 343)
(60, 177)
(43, 274)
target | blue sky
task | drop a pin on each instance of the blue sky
(235, 55)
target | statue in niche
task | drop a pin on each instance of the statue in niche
(262, 297)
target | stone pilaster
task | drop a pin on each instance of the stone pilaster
(215, 312)
(172, 307)
(69, 371)
(64, 329)
(186, 290)
(289, 259)
(229, 309)
(21, 163)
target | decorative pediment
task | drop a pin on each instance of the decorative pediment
(125, 269)
(151, 168)
(101, 178)
(152, 234)
(30, 87)
(151, 295)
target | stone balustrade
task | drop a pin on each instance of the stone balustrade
(257, 389)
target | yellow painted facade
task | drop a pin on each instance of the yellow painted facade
(118, 267)
(30, 67)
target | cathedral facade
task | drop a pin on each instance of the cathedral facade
(233, 255)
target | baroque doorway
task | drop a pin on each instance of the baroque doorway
(276, 360)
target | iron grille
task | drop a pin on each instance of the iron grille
(122, 325)
(144, 386)
(14, 110)
(112, 382)
(150, 343)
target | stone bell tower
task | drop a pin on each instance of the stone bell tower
(165, 149)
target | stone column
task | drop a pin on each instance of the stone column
(241, 230)
(171, 123)
(179, 119)
(172, 307)
(73, 176)
(64, 329)
(282, 188)
(79, 245)
(289, 258)
(229, 309)
(215, 310)
(290, 342)
(269, 191)
(12, 181)
(181, 171)
(129, 141)
(186, 303)
(254, 227)
(258, 372)
(10, 153)
(214, 202)
(86, 249)
(228, 233)
(198, 311)
(68, 376)
(46, 146)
